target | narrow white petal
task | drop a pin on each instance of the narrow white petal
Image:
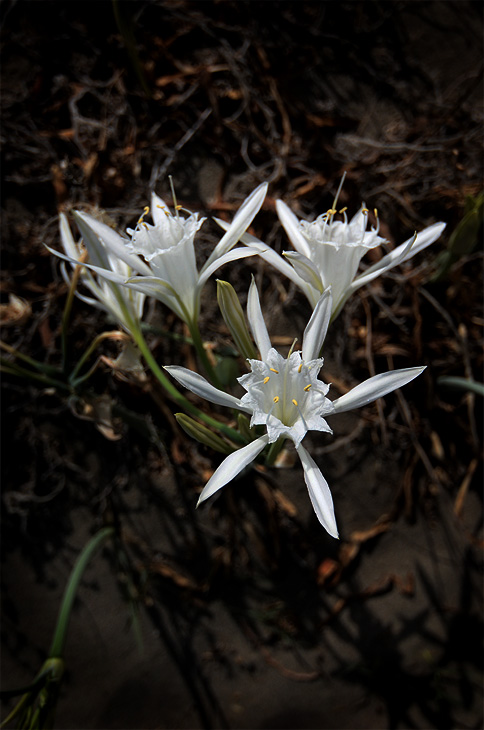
(402, 253)
(198, 385)
(317, 327)
(319, 492)
(150, 286)
(150, 281)
(256, 321)
(209, 268)
(92, 302)
(66, 237)
(159, 209)
(375, 387)
(231, 466)
(242, 220)
(424, 239)
(112, 240)
(154, 286)
(292, 228)
(135, 282)
(273, 258)
(106, 273)
(306, 269)
(394, 258)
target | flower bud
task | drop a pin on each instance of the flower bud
(203, 434)
(233, 315)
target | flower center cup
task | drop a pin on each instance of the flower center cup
(286, 396)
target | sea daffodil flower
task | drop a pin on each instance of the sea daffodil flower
(123, 305)
(286, 396)
(162, 255)
(328, 251)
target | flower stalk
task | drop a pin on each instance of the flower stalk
(178, 398)
(37, 706)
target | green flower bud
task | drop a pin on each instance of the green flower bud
(203, 434)
(233, 315)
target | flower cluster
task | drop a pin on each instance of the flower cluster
(284, 396)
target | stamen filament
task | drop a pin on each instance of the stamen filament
(339, 190)
(175, 204)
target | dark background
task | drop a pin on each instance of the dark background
(245, 613)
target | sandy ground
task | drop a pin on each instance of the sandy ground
(245, 613)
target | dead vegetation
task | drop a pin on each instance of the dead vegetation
(98, 109)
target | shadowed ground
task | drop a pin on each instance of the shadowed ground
(245, 614)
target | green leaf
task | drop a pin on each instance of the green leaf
(464, 238)
(457, 383)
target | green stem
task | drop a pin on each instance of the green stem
(58, 642)
(14, 369)
(150, 329)
(87, 354)
(46, 369)
(176, 396)
(202, 354)
(67, 313)
(274, 451)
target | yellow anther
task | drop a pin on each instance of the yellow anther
(364, 211)
(300, 368)
(276, 399)
(332, 211)
(162, 207)
(178, 207)
(145, 225)
(294, 401)
(375, 212)
(344, 209)
(274, 371)
(146, 209)
(306, 387)
(266, 380)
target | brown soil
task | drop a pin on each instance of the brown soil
(245, 613)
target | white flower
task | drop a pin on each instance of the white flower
(328, 252)
(162, 255)
(286, 396)
(124, 305)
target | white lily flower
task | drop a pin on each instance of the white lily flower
(162, 255)
(286, 396)
(123, 305)
(328, 251)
